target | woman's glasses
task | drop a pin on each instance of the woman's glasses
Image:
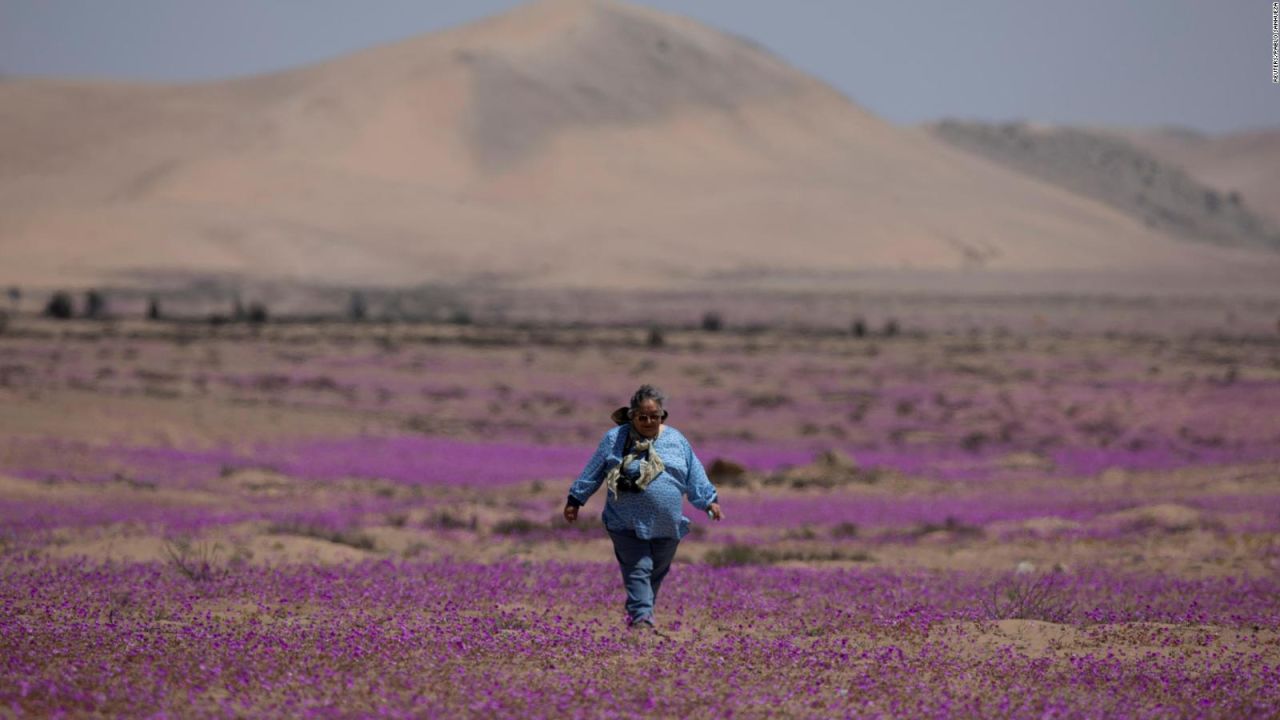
(646, 417)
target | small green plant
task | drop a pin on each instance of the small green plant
(804, 532)
(973, 441)
(351, 538)
(767, 400)
(738, 554)
(845, 530)
(446, 520)
(198, 561)
(727, 473)
(952, 525)
(517, 526)
(1029, 596)
(357, 307)
(60, 306)
(95, 304)
(257, 313)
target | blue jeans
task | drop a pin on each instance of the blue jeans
(644, 564)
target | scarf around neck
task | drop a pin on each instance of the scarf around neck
(651, 465)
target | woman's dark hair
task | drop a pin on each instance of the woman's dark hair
(649, 392)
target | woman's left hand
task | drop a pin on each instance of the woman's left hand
(714, 512)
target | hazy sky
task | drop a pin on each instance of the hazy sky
(1204, 64)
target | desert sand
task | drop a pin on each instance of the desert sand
(538, 148)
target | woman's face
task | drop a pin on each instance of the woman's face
(647, 418)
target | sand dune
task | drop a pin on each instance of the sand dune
(567, 143)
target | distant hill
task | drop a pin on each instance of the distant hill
(568, 143)
(1247, 162)
(1149, 185)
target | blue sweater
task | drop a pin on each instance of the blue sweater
(654, 513)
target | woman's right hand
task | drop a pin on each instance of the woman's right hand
(570, 514)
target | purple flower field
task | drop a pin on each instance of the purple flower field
(320, 522)
(519, 640)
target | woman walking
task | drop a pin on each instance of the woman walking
(648, 467)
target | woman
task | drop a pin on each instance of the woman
(648, 468)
